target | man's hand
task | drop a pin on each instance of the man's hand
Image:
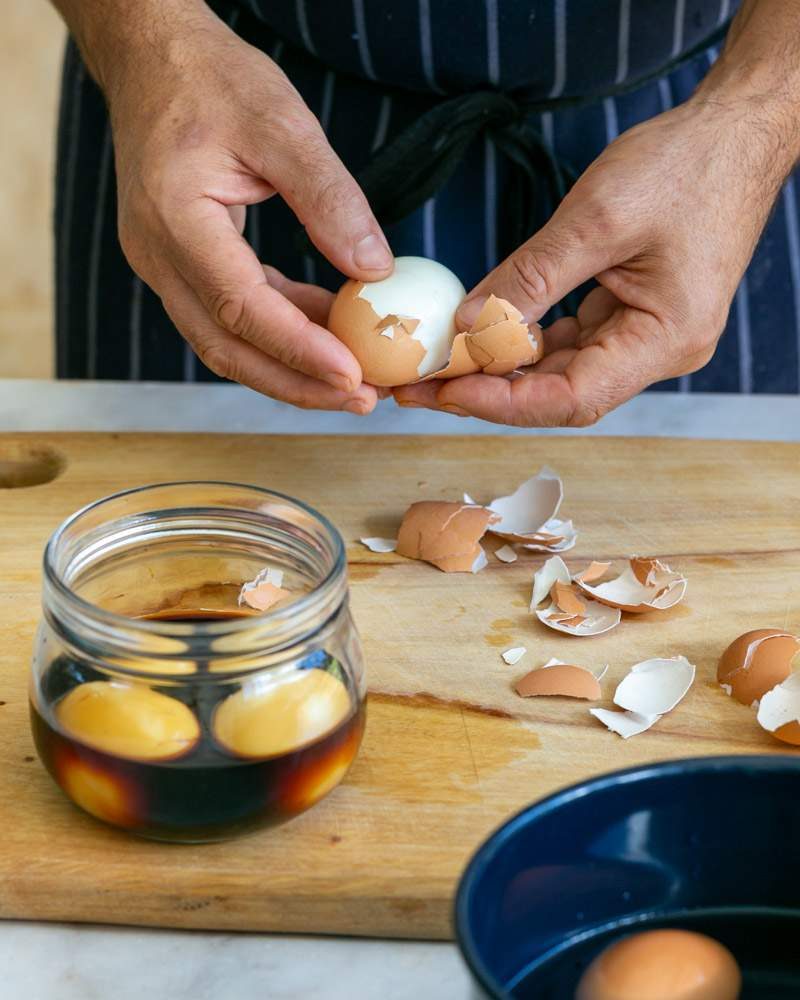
(204, 124)
(666, 220)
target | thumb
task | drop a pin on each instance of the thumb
(560, 257)
(327, 200)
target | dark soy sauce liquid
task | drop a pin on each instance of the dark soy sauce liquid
(206, 794)
(763, 942)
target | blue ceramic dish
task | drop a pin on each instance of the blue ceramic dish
(711, 844)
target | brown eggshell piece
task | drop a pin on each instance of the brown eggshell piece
(504, 347)
(460, 361)
(563, 679)
(128, 720)
(757, 662)
(278, 717)
(444, 534)
(790, 733)
(593, 572)
(566, 599)
(662, 965)
(385, 361)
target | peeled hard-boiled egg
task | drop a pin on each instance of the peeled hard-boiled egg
(400, 328)
(662, 965)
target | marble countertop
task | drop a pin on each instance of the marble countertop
(74, 962)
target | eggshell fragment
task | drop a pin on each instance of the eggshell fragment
(512, 656)
(757, 662)
(526, 511)
(559, 679)
(655, 687)
(264, 591)
(624, 724)
(445, 534)
(379, 544)
(506, 554)
(555, 536)
(128, 720)
(593, 572)
(779, 711)
(553, 571)
(497, 343)
(644, 585)
(567, 600)
(596, 619)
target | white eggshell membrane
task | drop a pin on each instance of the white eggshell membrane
(662, 589)
(781, 705)
(655, 687)
(624, 724)
(426, 291)
(651, 689)
(512, 656)
(554, 570)
(379, 544)
(598, 618)
(530, 506)
(506, 554)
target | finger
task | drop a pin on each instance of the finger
(328, 201)
(238, 214)
(223, 272)
(314, 301)
(239, 361)
(597, 307)
(560, 257)
(627, 356)
(563, 333)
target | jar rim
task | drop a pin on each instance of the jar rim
(212, 627)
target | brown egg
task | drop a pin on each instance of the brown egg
(662, 965)
(401, 328)
(756, 662)
(107, 796)
(271, 716)
(128, 720)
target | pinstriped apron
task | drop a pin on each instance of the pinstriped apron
(369, 69)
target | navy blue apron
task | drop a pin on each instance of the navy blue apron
(369, 71)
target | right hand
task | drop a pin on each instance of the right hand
(203, 125)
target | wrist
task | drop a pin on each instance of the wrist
(119, 40)
(761, 99)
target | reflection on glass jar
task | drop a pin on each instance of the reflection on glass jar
(161, 705)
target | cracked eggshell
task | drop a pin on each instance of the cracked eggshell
(596, 619)
(527, 511)
(445, 534)
(779, 711)
(593, 572)
(557, 679)
(756, 662)
(418, 301)
(500, 340)
(624, 724)
(636, 591)
(553, 571)
(512, 656)
(655, 687)
(379, 544)
(506, 554)
(265, 591)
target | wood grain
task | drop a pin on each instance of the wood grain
(450, 750)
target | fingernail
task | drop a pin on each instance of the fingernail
(455, 410)
(340, 381)
(468, 312)
(358, 406)
(409, 404)
(372, 254)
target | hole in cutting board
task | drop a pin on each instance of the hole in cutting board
(24, 465)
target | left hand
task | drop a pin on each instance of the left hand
(666, 220)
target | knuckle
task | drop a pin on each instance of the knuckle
(218, 360)
(336, 194)
(534, 273)
(229, 309)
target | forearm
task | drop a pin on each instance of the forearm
(114, 34)
(758, 75)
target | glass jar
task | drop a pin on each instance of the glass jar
(161, 704)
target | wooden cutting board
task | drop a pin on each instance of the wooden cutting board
(450, 750)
